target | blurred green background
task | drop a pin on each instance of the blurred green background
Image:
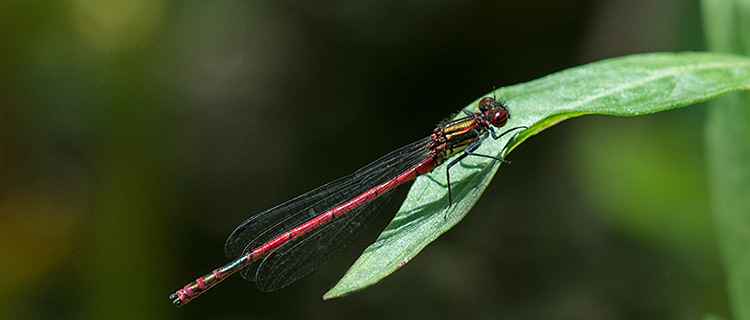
(135, 135)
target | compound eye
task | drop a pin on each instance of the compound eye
(499, 117)
(486, 104)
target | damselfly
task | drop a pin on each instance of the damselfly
(283, 244)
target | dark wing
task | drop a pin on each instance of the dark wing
(309, 251)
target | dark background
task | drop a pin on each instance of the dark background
(135, 135)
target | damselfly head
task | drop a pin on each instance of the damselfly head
(486, 104)
(495, 112)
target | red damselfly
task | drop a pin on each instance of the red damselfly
(283, 244)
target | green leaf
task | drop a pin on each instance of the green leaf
(626, 86)
(728, 154)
